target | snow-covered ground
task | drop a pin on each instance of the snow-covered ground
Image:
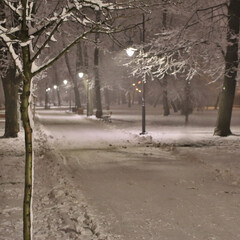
(100, 180)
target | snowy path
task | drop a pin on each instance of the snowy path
(139, 190)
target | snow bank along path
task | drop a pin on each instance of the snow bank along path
(59, 209)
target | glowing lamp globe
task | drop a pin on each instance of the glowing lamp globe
(80, 74)
(130, 51)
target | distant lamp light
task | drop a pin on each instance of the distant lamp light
(65, 82)
(130, 51)
(55, 86)
(134, 84)
(48, 89)
(137, 89)
(139, 82)
(140, 91)
(80, 74)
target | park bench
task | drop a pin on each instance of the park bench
(107, 117)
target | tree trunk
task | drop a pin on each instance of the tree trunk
(123, 97)
(107, 100)
(156, 101)
(187, 106)
(97, 78)
(58, 84)
(2, 102)
(73, 79)
(119, 96)
(129, 99)
(133, 96)
(166, 110)
(217, 101)
(174, 106)
(231, 66)
(11, 86)
(28, 161)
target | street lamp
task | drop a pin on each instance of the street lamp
(86, 83)
(81, 74)
(65, 82)
(130, 51)
(47, 90)
(55, 87)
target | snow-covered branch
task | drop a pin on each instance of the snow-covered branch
(166, 55)
(36, 70)
(17, 10)
(12, 51)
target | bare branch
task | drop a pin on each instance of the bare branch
(14, 9)
(51, 61)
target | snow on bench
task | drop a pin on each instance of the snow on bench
(107, 117)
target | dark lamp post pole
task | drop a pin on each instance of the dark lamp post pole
(143, 85)
(143, 110)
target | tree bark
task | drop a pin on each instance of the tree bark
(27, 211)
(157, 100)
(107, 99)
(58, 84)
(123, 97)
(217, 101)
(2, 101)
(187, 106)
(25, 108)
(11, 86)
(231, 66)
(129, 99)
(74, 81)
(174, 106)
(96, 70)
(166, 110)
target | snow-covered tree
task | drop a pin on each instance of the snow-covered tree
(196, 47)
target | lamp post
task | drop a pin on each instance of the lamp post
(143, 109)
(86, 82)
(130, 52)
(65, 82)
(143, 84)
(47, 90)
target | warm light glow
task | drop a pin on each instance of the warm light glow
(130, 51)
(65, 82)
(136, 89)
(55, 86)
(140, 91)
(134, 84)
(139, 82)
(80, 74)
